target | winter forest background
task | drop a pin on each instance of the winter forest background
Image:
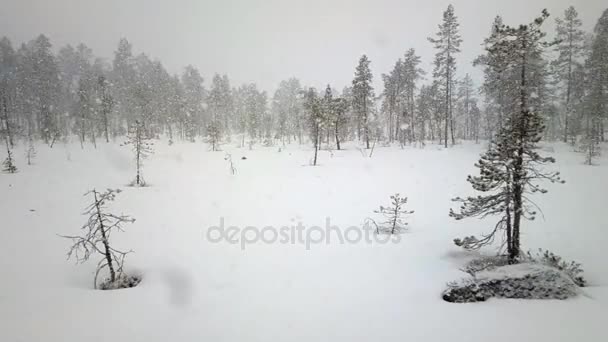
(54, 95)
(490, 186)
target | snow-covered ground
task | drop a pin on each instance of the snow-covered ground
(196, 290)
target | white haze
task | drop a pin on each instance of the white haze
(266, 41)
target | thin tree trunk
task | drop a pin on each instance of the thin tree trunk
(337, 136)
(104, 240)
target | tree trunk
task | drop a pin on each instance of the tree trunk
(104, 240)
(337, 136)
(314, 163)
(518, 167)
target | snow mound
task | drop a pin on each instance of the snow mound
(524, 281)
(123, 281)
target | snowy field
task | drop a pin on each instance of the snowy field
(196, 290)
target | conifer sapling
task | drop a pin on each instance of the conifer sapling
(392, 216)
(96, 235)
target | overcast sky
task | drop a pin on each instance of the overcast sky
(317, 41)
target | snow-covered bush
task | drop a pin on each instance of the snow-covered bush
(485, 263)
(573, 269)
(122, 281)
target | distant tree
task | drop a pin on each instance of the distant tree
(9, 163)
(498, 79)
(475, 121)
(570, 40)
(142, 148)
(107, 103)
(287, 107)
(590, 144)
(313, 106)
(596, 101)
(362, 97)
(339, 119)
(30, 153)
(465, 104)
(217, 108)
(447, 45)
(40, 72)
(96, 239)
(194, 94)
(410, 74)
(8, 85)
(393, 87)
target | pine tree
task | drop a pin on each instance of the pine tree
(9, 162)
(393, 86)
(447, 45)
(393, 216)
(107, 103)
(287, 106)
(339, 119)
(42, 84)
(411, 73)
(362, 99)
(570, 38)
(590, 144)
(194, 93)
(30, 153)
(142, 148)
(510, 168)
(8, 84)
(96, 239)
(499, 80)
(218, 109)
(466, 98)
(596, 101)
(314, 107)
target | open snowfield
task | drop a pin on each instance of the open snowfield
(196, 290)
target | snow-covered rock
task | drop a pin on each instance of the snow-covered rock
(525, 280)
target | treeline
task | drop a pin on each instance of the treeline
(54, 96)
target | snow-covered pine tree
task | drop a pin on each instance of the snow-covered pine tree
(475, 117)
(362, 99)
(106, 104)
(393, 216)
(194, 94)
(220, 105)
(30, 153)
(570, 40)
(339, 119)
(393, 86)
(327, 107)
(465, 104)
(142, 148)
(509, 170)
(590, 143)
(447, 45)
(596, 102)
(498, 80)
(41, 87)
(9, 162)
(286, 105)
(96, 239)
(314, 107)
(410, 74)
(8, 82)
